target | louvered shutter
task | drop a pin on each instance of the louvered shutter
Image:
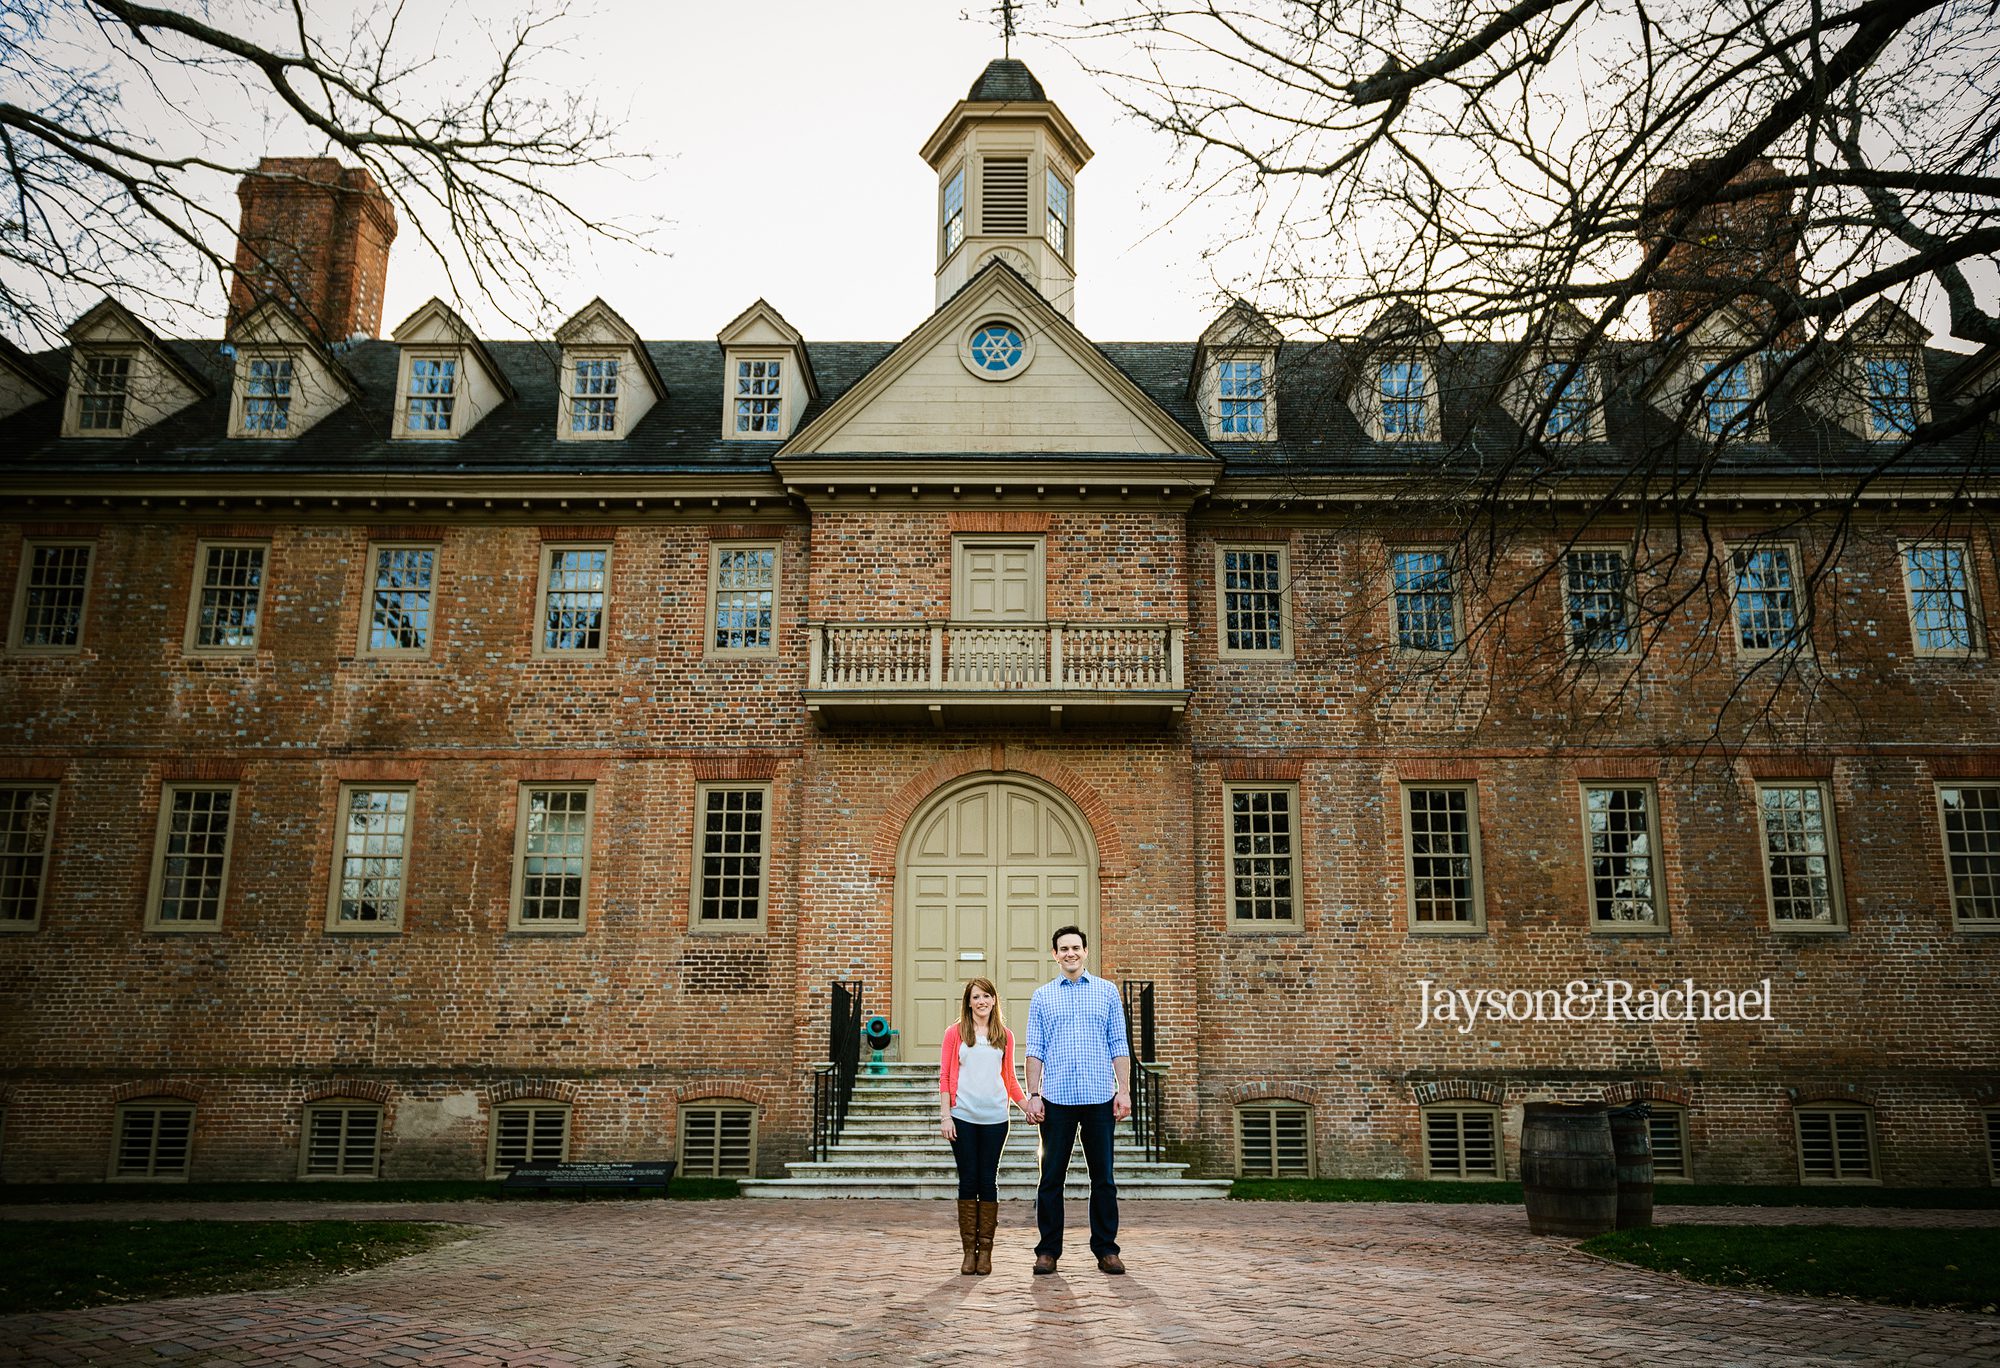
(153, 1142)
(1461, 1143)
(718, 1142)
(1834, 1145)
(1004, 195)
(342, 1142)
(1666, 1129)
(529, 1135)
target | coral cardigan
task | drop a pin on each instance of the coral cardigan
(948, 1067)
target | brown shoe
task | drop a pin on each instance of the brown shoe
(1045, 1263)
(968, 1234)
(989, 1223)
(1110, 1263)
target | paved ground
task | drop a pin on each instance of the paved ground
(768, 1282)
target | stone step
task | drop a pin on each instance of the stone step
(1136, 1189)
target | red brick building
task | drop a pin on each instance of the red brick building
(421, 754)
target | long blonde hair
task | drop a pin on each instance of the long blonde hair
(996, 1028)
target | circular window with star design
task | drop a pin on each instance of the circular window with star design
(997, 349)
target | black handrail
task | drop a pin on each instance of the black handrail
(833, 1082)
(1149, 1117)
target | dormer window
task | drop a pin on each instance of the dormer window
(1240, 391)
(267, 398)
(1726, 397)
(1891, 395)
(1058, 225)
(954, 211)
(1405, 402)
(107, 380)
(760, 397)
(433, 393)
(593, 396)
(1565, 396)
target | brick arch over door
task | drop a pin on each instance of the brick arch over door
(1111, 857)
(986, 869)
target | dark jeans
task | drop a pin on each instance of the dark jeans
(1059, 1129)
(977, 1151)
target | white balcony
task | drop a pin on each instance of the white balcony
(970, 671)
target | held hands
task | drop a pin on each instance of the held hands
(1033, 1109)
(1121, 1105)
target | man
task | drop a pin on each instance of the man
(1079, 1079)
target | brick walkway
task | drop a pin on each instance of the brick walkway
(877, 1283)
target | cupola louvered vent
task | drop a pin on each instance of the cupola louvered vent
(1005, 191)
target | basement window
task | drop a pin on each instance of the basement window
(1274, 1140)
(1462, 1142)
(718, 1140)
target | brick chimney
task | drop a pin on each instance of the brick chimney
(315, 236)
(1750, 239)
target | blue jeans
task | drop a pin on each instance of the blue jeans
(1059, 1131)
(977, 1152)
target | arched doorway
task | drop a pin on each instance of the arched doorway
(988, 869)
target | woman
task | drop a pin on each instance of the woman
(976, 1080)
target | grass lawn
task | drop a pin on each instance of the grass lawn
(1959, 1269)
(683, 1189)
(56, 1265)
(1666, 1194)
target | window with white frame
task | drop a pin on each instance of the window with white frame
(732, 855)
(50, 595)
(952, 211)
(1801, 856)
(433, 394)
(1254, 585)
(1405, 399)
(107, 384)
(155, 1139)
(27, 826)
(1274, 1140)
(401, 598)
(1426, 606)
(1441, 857)
(340, 1138)
(1766, 600)
(1263, 855)
(1621, 855)
(1462, 1140)
(527, 1133)
(1969, 816)
(370, 859)
(1666, 1128)
(760, 397)
(575, 582)
(191, 857)
(743, 597)
(1938, 580)
(267, 395)
(552, 858)
(593, 395)
(228, 596)
(1058, 218)
(1836, 1143)
(1565, 396)
(718, 1140)
(1725, 398)
(1891, 394)
(1597, 592)
(1240, 395)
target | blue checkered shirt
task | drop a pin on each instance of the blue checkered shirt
(1076, 1030)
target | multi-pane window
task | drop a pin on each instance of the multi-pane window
(1597, 589)
(155, 1138)
(718, 1141)
(267, 395)
(1970, 817)
(1405, 403)
(341, 1140)
(1058, 226)
(1800, 858)
(27, 821)
(528, 1133)
(1263, 856)
(744, 594)
(1621, 855)
(228, 596)
(107, 381)
(733, 851)
(759, 396)
(954, 211)
(1667, 1129)
(1254, 585)
(433, 394)
(1836, 1144)
(552, 859)
(49, 602)
(401, 597)
(1441, 857)
(593, 395)
(1274, 1140)
(574, 582)
(1461, 1142)
(1565, 393)
(1767, 600)
(1939, 583)
(1426, 617)
(371, 860)
(191, 860)
(1726, 397)
(1240, 393)
(1892, 395)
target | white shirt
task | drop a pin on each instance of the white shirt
(982, 1098)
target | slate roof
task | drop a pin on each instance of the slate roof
(1005, 78)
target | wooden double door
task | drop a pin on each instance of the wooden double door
(989, 871)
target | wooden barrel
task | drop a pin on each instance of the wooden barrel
(1632, 1148)
(1569, 1175)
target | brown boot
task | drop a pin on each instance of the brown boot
(968, 1233)
(989, 1221)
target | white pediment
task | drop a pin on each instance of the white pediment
(927, 396)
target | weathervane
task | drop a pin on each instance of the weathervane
(1005, 9)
